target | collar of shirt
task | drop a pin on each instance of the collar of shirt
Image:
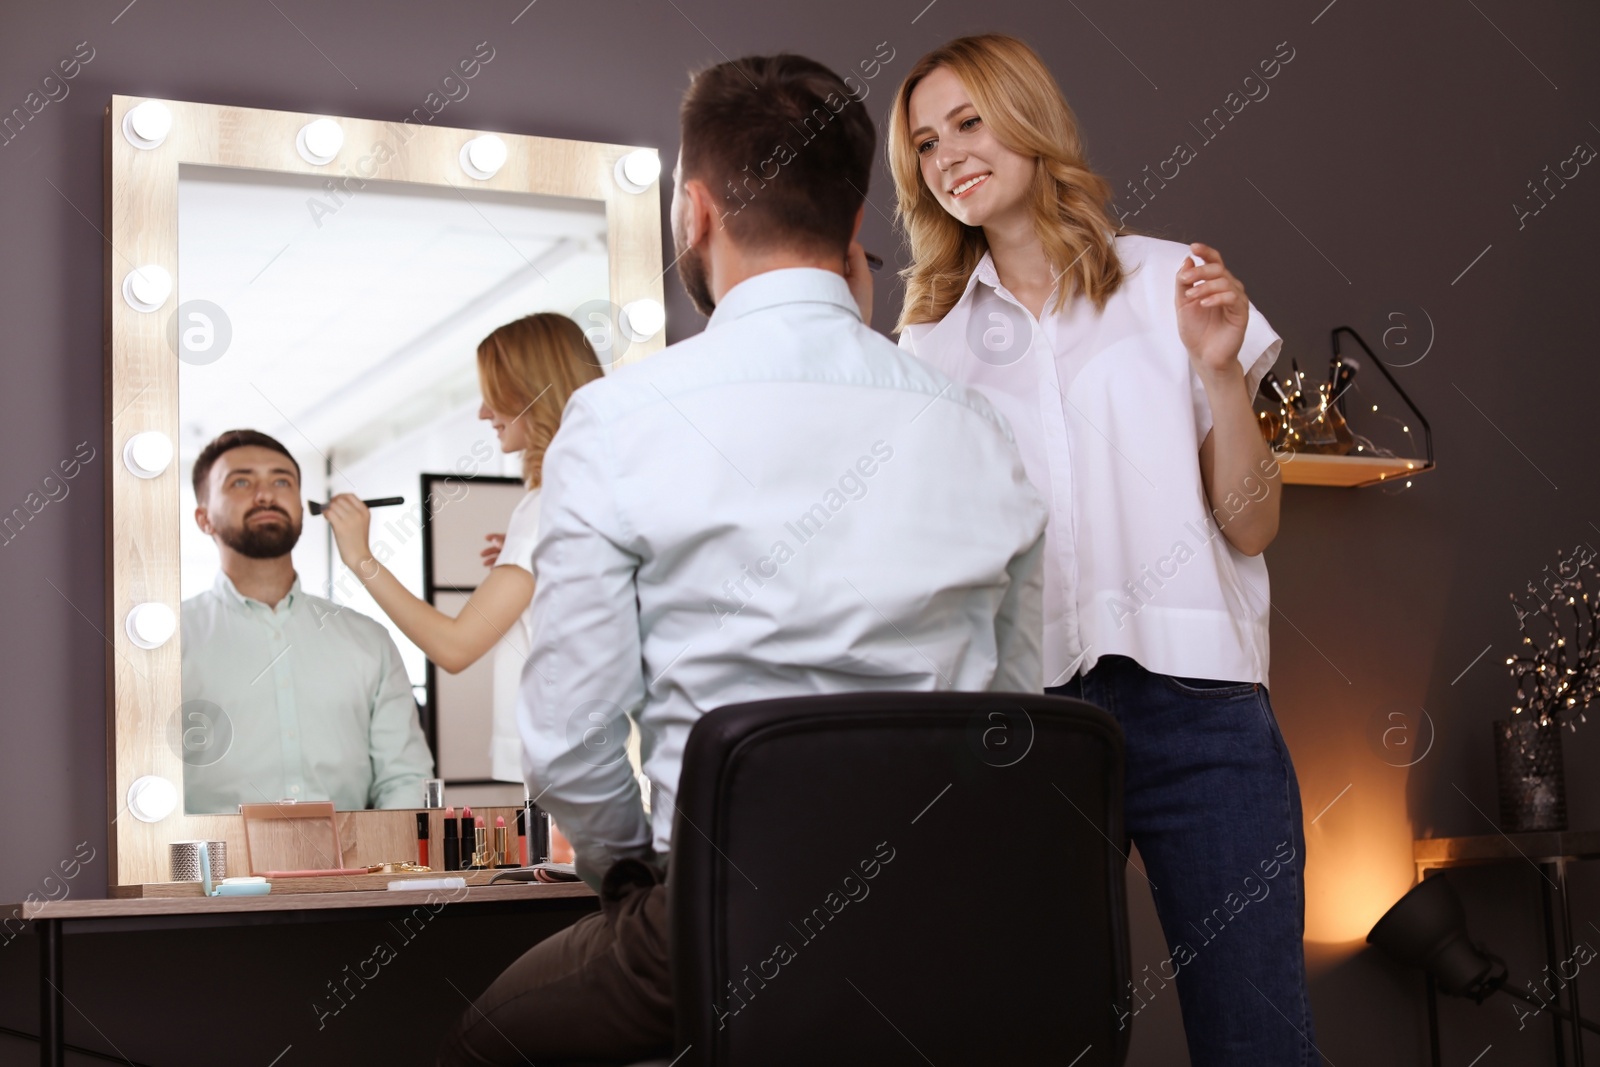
(229, 593)
(984, 272)
(788, 285)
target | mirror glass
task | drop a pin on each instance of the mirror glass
(344, 323)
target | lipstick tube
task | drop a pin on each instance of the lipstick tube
(422, 838)
(452, 843)
(502, 852)
(539, 847)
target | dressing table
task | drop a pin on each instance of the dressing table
(54, 920)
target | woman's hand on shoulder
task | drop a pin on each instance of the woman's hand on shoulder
(1212, 310)
(491, 553)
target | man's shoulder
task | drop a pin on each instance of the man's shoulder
(341, 620)
(625, 389)
(869, 360)
(201, 602)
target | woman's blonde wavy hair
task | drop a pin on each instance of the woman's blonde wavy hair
(1019, 100)
(533, 366)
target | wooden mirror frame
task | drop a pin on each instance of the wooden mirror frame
(144, 686)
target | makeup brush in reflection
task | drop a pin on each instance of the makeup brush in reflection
(316, 506)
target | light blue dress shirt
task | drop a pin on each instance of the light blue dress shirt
(307, 700)
(785, 504)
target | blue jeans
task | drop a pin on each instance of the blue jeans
(1213, 804)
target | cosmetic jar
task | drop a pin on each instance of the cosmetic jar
(184, 856)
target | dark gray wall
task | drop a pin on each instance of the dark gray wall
(1384, 162)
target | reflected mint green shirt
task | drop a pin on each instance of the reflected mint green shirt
(307, 700)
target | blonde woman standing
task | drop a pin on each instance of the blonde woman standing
(1125, 366)
(527, 371)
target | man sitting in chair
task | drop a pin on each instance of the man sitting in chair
(785, 504)
(287, 696)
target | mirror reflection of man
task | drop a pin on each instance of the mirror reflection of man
(315, 696)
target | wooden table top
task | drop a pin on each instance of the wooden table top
(137, 907)
(1543, 847)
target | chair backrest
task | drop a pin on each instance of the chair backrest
(901, 878)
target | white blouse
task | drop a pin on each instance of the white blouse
(511, 651)
(1109, 415)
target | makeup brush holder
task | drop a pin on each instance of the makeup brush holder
(185, 860)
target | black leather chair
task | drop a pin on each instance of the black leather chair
(901, 878)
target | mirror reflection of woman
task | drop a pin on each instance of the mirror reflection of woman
(1126, 366)
(527, 371)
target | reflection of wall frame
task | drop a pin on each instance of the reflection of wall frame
(144, 690)
(453, 527)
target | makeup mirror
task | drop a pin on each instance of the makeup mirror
(326, 281)
(371, 382)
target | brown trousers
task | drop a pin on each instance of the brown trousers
(599, 991)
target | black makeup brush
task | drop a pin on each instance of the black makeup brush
(316, 506)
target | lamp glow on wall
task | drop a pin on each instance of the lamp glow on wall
(482, 157)
(638, 171)
(643, 319)
(319, 141)
(147, 125)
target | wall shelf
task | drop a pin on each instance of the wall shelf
(1350, 472)
(1309, 468)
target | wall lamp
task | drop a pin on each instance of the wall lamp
(319, 141)
(642, 319)
(482, 157)
(151, 624)
(152, 798)
(638, 170)
(146, 288)
(147, 454)
(147, 125)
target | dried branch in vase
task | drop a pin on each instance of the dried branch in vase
(1557, 667)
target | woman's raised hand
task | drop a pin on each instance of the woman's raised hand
(351, 521)
(1212, 310)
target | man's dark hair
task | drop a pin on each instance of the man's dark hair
(785, 145)
(224, 441)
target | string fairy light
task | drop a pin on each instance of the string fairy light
(1559, 674)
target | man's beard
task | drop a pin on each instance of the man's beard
(692, 273)
(262, 542)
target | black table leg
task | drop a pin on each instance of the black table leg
(1569, 959)
(1433, 1018)
(52, 1050)
(1550, 956)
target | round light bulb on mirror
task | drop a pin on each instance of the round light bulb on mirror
(147, 124)
(147, 454)
(152, 798)
(482, 157)
(637, 171)
(318, 142)
(643, 319)
(146, 288)
(151, 625)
